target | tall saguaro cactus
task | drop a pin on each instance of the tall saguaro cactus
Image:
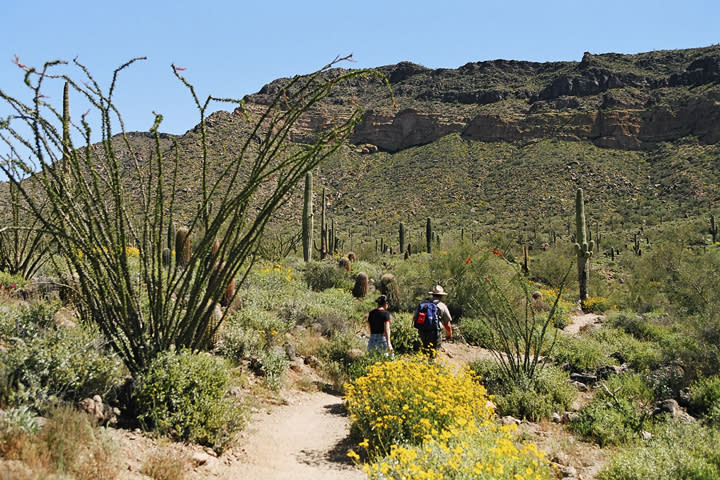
(401, 234)
(583, 248)
(307, 219)
(428, 235)
(323, 230)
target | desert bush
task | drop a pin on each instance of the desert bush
(250, 331)
(403, 334)
(618, 413)
(10, 282)
(338, 357)
(705, 399)
(407, 400)
(476, 332)
(274, 363)
(676, 451)
(48, 362)
(473, 450)
(183, 395)
(640, 355)
(579, 353)
(324, 275)
(639, 326)
(548, 267)
(414, 282)
(548, 392)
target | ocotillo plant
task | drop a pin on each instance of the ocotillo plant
(307, 219)
(583, 248)
(141, 307)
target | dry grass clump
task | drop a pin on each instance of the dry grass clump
(68, 444)
(166, 464)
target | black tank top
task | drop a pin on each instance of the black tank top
(377, 320)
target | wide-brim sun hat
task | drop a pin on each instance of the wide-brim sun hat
(438, 290)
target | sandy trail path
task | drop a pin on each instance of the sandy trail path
(305, 439)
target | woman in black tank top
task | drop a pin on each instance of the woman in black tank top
(379, 321)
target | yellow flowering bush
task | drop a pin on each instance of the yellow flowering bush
(595, 304)
(478, 451)
(411, 400)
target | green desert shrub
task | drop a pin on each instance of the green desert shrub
(618, 413)
(403, 334)
(338, 357)
(11, 282)
(705, 399)
(324, 275)
(676, 451)
(251, 331)
(639, 354)
(274, 363)
(579, 353)
(476, 332)
(183, 395)
(639, 326)
(534, 400)
(47, 363)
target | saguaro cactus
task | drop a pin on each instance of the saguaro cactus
(323, 230)
(307, 219)
(713, 229)
(583, 248)
(428, 235)
(401, 234)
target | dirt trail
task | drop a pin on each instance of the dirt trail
(581, 320)
(306, 439)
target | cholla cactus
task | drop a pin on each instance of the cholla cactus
(583, 248)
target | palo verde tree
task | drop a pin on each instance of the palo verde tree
(104, 197)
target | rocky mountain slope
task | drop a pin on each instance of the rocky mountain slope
(501, 146)
(611, 100)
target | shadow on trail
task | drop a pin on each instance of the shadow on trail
(335, 457)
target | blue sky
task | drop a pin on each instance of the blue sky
(232, 48)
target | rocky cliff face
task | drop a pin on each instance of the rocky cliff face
(611, 100)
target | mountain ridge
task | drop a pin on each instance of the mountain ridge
(613, 100)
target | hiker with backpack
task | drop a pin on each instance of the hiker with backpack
(379, 321)
(431, 315)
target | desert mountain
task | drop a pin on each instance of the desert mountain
(502, 145)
